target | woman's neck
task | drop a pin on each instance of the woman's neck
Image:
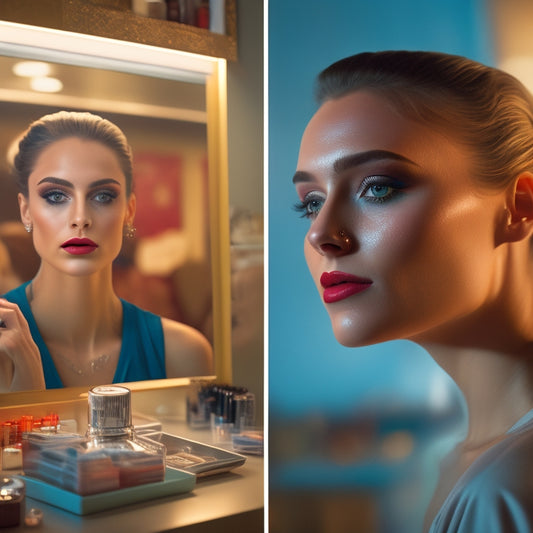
(74, 310)
(489, 352)
(497, 387)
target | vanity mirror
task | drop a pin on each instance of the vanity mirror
(172, 107)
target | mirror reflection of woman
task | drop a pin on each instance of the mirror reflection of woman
(67, 327)
(416, 175)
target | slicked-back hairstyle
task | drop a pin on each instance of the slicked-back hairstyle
(484, 108)
(66, 124)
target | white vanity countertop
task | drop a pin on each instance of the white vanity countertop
(219, 503)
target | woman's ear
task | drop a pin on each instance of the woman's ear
(131, 208)
(24, 210)
(519, 224)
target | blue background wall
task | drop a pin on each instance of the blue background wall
(307, 368)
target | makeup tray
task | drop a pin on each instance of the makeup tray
(196, 457)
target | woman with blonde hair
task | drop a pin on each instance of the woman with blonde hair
(416, 175)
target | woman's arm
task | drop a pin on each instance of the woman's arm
(187, 351)
(20, 359)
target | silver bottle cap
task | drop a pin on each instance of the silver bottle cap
(109, 408)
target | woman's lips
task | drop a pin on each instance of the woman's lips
(340, 285)
(79, 246)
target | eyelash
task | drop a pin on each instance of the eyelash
(304, 206)
(108, 195)
(395, 187)
(48, 196)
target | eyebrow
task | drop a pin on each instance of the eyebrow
(66, 183)
(354, 160)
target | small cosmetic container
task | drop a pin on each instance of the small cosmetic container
(12, 501)
(250, 442)
(244, 406)
(11, 436)
(109, 457)
(33, 518)
(200, 404)
(219, 406)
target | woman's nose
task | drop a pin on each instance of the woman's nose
(80, 216)
(330, 234)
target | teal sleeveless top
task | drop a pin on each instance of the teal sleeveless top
(142, 354)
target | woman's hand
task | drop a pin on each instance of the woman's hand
(20, 359)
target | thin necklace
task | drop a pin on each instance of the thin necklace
(93, 366)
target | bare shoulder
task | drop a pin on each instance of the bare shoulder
(187, 351)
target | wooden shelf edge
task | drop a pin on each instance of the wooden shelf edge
(88, 18)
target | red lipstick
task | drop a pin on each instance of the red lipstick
(79, 246)
(340, 285)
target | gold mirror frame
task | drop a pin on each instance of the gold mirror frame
(30, 42)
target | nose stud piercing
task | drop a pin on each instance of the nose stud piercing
(344, 237)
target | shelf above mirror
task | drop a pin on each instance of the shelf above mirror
(108, 18)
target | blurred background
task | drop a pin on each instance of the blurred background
(356, 435)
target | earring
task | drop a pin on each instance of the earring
(28, 227)
(130, 231)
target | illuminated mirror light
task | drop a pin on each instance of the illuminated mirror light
(31, 69)
(46, 85)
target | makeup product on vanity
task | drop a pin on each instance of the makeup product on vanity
(248, 441)
(111, 430)
(244, 406)
(12, 501)
(197, 457)
(200, 404)
(215, 405)
(12, 431)
(107, 467)
(11, 441)
(109, 457)
(33, 518)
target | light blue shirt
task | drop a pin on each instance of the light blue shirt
(495, 494)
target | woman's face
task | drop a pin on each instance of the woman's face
(77, 205)
(401, 242)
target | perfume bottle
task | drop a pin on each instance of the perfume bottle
(110, 456)
(109, 416)
(111, 431)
